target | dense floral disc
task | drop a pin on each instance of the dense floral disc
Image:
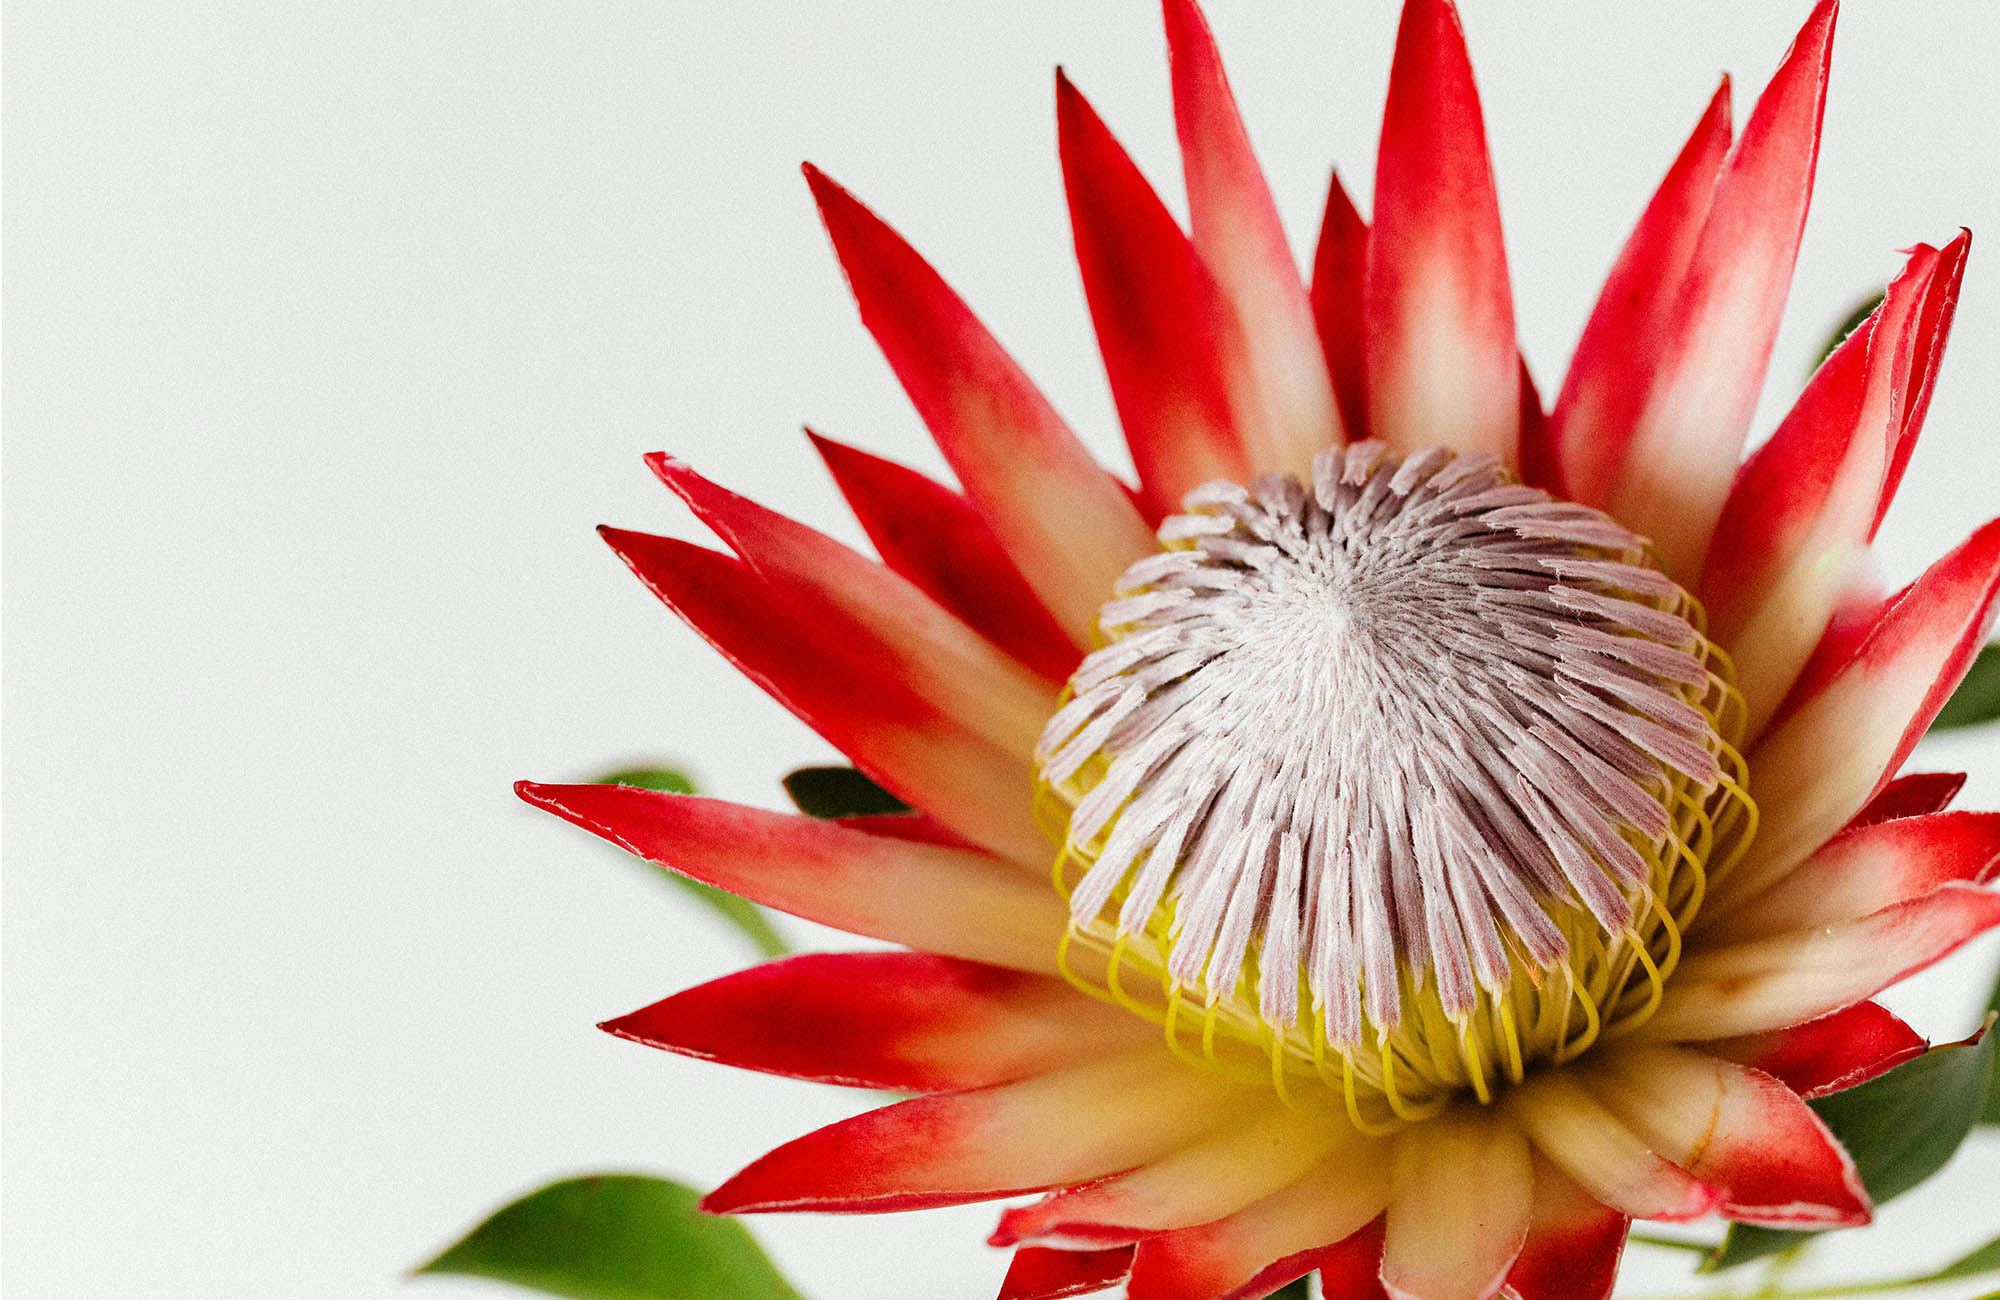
(1409, 740)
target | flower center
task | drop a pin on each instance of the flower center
(1406, 783)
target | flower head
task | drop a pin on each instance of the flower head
(1410, 834)
(1438, 753)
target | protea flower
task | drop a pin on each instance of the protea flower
(1409, 834)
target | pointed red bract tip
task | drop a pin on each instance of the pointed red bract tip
(1041, 1274)
(1442, 362)
(741, 523)
(1687, 437)
(1830, 1053)
(895, 1158)
(635, 547)
(825, 189)
(1605, 389)
(1173, 348)
(1913, 794)
(1065, 521)
(1278, 381)
(1339, 262)
(1933, 329)
(669, 468)
(1185, 23)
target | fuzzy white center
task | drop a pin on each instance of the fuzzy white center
(1375, 733)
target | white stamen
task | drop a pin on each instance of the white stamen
(1380, 728)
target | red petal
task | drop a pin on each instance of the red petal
(1442, 366)
(1710, 365)
(1606, 385)
(1838, 1051)
(874, 716)
(1067, 523)
(1804, 505)
(950, 901)
(1790, 978)
(1073, 1124)
(1864, 871)
(1913, 795)
(1854, 616)
(934, 537)
(1739, 1131)
(1352, 1269)
(1853, 722)
(1931, 332)
(1259, 1249)
(1340, 264)
(878, 614)
(1573, 1243)
(1038, 1274)
(1237, 234)
(905, 826)
(902, 1020)
(1538, 456)
(1169, 339)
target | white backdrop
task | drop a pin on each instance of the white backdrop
(337, 326)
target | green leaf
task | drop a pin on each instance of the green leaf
(649, 778)
(1673, 1243)
(839, 792)
(747, 917)
(1900, 1128)
(1861, 312)
(616, 1237)
(1296, 1289)
(1984, 1260)
(1977, 698)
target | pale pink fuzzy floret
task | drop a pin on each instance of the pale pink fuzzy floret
(1399, 706)
(1177, 1182)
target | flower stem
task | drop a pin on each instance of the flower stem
(1672, 1243)
(1875, 1287)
